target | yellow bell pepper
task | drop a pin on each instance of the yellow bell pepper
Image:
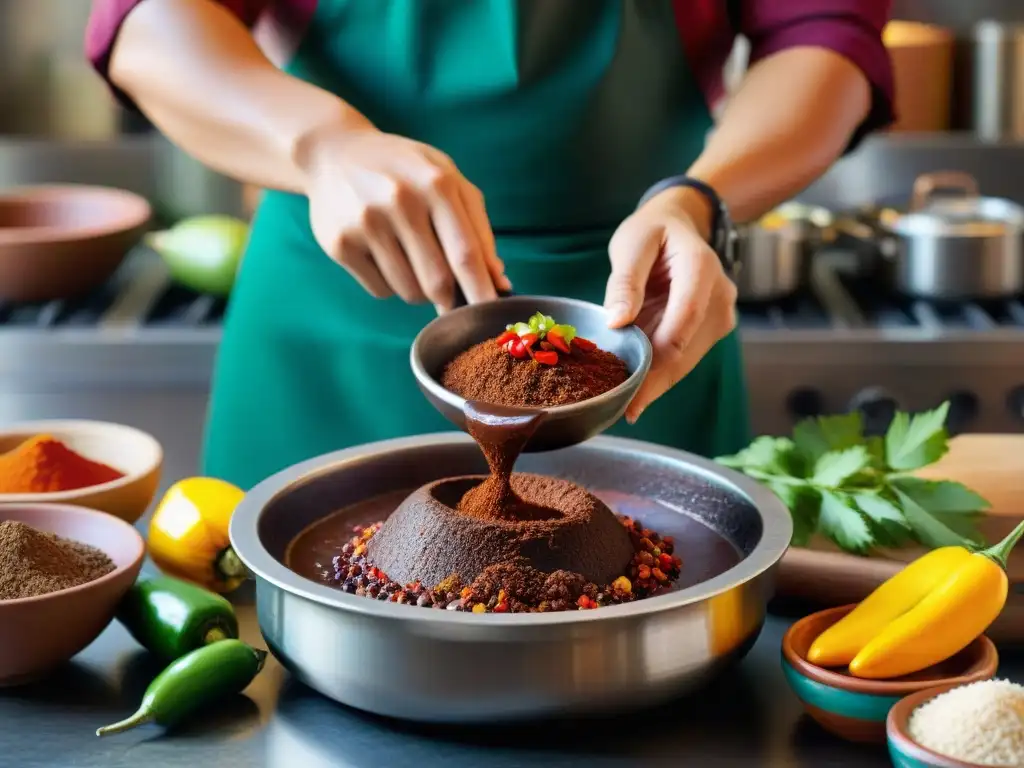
(188, 535)
(959, 609)
(839, 644)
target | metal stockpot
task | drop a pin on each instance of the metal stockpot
(774, 253)
(952, 244)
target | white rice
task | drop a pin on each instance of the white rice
(980, 723)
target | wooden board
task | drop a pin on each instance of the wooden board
(993, 466)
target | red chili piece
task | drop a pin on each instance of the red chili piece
(516, 348)
(528, 339)
(506, 337)
(545, 357)
(558, 341)
(586, 345)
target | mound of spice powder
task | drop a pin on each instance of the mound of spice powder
(43, 464)
(34, 563)
(488, 373)
(539, 363)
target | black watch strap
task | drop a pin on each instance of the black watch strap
(723, 233)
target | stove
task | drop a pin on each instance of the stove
(843, 344)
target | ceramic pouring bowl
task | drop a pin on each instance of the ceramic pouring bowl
(856, 709)
(40, 633)
(564, 425)
(903, 750)
(58, 242)
(129, 450)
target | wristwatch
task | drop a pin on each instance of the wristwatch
(723, 233)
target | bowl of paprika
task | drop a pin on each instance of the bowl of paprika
(109, 467)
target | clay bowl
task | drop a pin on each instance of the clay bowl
(564, 425)
(856, 709)
(903, 750)
(40, 633)
(132, 451)
(58, 242)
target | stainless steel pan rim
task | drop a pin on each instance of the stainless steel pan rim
(776, 533)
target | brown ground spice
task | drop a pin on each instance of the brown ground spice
(486, 372)
(35, 563)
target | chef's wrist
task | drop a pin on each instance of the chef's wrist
(334, 123)
(696, 206)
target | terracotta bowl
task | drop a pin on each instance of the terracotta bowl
(58, 242)
(903, 750)
(856, 709)
(129, 450)
(40, 633)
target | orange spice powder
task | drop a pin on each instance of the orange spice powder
(43, 464)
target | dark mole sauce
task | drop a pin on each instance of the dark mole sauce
(705, 553)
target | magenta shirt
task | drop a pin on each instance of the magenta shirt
(851, 28)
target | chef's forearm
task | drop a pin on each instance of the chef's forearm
(196, 72)
(790, 120)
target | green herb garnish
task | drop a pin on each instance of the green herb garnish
(542, 325)
(858, 491)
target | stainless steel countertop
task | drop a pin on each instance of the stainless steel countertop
(747, 718)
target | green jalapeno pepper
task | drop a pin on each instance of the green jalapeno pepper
(196, 679)
(170, 617)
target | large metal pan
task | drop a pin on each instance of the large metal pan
(429, 665)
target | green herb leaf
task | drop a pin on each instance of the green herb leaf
(833, 468)
(816, 437)
(769, 454)
(842, 522)
(804, 504)
(879, 509)
(567, 332)
(928, 529)
(942, 496)
(523, 328)
(915, 442)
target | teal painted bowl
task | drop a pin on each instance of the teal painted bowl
(856, 709)
(903, 750)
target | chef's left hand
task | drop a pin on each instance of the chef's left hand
(667, 279)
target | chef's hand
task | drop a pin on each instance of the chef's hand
(668, 280)
(400, 218)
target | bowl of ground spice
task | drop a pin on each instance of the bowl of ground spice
(110, 467)
(63, 571)
(542, 354)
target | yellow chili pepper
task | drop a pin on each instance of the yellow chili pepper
(840, 643)
(188, 535)
(946, 620)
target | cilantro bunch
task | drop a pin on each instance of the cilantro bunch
(858, 491)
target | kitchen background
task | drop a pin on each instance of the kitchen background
(882, 317)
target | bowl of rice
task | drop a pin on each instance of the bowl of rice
(959, 726)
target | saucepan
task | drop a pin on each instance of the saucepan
(774, 253)
(949, 244)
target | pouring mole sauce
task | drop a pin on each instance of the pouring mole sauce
(508, 541)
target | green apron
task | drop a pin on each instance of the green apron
(562, 112)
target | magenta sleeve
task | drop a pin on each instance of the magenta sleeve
(107, 16)
(851, 28)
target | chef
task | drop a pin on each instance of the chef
(415, 150)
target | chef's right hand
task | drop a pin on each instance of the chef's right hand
(399, 216)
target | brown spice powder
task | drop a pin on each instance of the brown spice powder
(486, 372)
(34, 563)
